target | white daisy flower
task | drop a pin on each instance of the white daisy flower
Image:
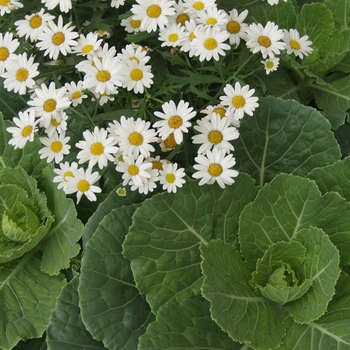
(215, 166)
(157, 162)
(86, 44)
(65, 5)
(7, 6)
(135, 172)
(274, 2)
(214, 133)
(213, 17)
(137, 76)
(270, 64)
(133, 53)
(104, 75)
(56, 39)
(104, 52)
(83, 184)
(149, 184)
(153, 14)
(56, 147)
(24, 132)
(131, 25)
(75, 92)
(57, 124)
(210, 110)
(180, 16)
(32, 25)
(103, 34)
(172, 35)
(105, 97)
(236, 27)
(48, 103)
(171, 177)
(175, 119)
(239, 100)
(8, 46)
(168, 143)
(20, 73)
(134, 137)
(191, 26)
(97, 147)
(265, 39)
(295, 44)
(194, 7)
(210, 44)
(117, 3)
(66, 170)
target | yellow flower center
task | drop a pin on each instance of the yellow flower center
(36, 21)
(56, 146)
(215, 169)
(83, 185)
(55, 122)
(133, 170)
(264, 41)
(294, 45)
(50, 105)
(238, 101)
(170, 141)
(192, 36)
(269, 64)
(221, 111)
(4, 53)
(175, 122)
(27, 130)
(170, 178)
(215, 137)
(121, 191)
(156, 164)
(210, 44)
(58, 38)
(97, 149)
(173, 37)
(135, 138)
(154, 11)
(136, 74)
(182, 19)
(76, 94)
(22, 74)
(135, 23)
(4, 2)
(66, 174)
(212, 21)
(233, 27)
(134, 58)
(87, 48)
(198, 5)
(103, 76)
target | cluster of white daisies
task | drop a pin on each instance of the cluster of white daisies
(196, 27)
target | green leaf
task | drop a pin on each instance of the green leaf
(340, 11)
(10, 103)
(111, 307)
(336, 119)
(245, 316)
(27, 297)
(286, 205)
(321, 266)
(163, 241)
(284, 136)
(61, 243)
(186, 325)
(66, 327)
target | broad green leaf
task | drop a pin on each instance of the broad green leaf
(334, 177)
(27, 298)
(336, 119)
(340, 11)
(284, 136)
(334, 98)
(66, 329)
(61, 243)
(344, 64)
(185, 325)
(286, 205)
(321, 266)
(32, 344)
(245, 316)
(10, 102)
(28, 157)
(331, 331)
(111, 307)
(163, 241)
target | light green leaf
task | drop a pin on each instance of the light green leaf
(27, 297)
(61, 243)
(334, 177)
(286, 205)
(186, 325)
(284, 136)
(163, 241)
(66, 329)
(245, 316)
(111, 307)
(340, 11)
(321, 266)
